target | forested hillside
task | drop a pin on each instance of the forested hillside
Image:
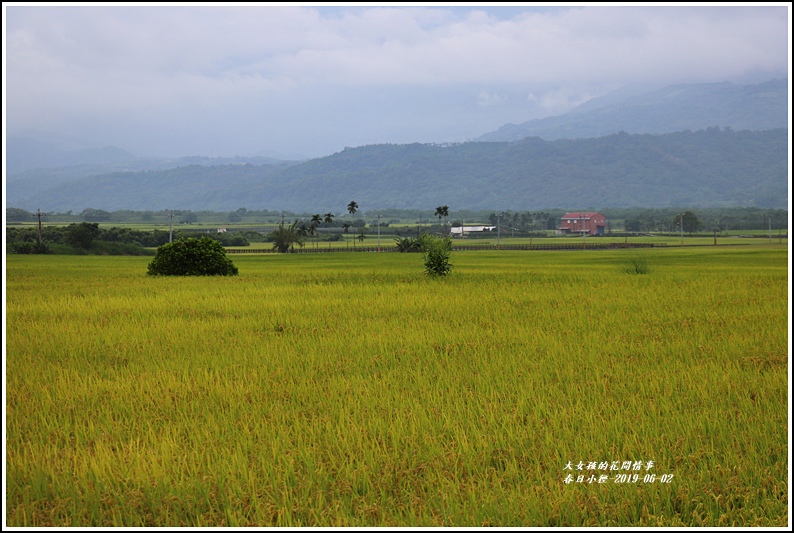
(711, 168)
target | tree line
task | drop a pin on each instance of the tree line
(88, 237)
(635, 219)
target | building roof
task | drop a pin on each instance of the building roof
(581, 214)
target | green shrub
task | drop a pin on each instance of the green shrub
(437, 251)
(29, 247)
(192, 257)
(408, 244)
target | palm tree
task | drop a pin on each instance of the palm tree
(352, 207)
(329, 218)
(442, 211)
(303, 231)
(346, 227)
(316, 221)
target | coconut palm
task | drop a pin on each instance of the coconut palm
(329, 218)
(352, 207)
(316, 221)
(442, 211)
(303, 231)
(346, 227)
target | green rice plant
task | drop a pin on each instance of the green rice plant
(636, 264)
(333, 390)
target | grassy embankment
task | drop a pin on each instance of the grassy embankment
(348, 389)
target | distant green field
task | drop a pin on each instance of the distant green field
(350, 242)
(526, 389)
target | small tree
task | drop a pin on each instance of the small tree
(82, 235)
(286, 237)
(192, 257)
(436, 254)
(690, 222)
(408, 244)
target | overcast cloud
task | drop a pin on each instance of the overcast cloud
(308, 81)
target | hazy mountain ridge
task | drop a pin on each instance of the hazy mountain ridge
(24, 154)
(38, 181)
(711, 167)
(692, 107)
(34, 158)
(523, 174)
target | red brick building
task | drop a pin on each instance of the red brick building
(589, 223)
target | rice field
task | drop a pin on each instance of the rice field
(348, 389)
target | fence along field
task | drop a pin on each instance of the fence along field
(351, 390)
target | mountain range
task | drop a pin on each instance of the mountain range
(702, 145)
(763, 106)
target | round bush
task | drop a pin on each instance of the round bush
(192, 257)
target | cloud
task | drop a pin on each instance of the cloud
(486, 99)
(393, 45)
(122, 64)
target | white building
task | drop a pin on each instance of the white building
(461, 231)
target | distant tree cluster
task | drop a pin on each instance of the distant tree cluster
(285, 238)
(709, 219)
(88, 237)
(524, 221)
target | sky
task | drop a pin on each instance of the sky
(296, 80)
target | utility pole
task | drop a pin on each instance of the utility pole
(682, 230)
(379, 233)
(171, 226)
(498, 233)
(39, 214)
